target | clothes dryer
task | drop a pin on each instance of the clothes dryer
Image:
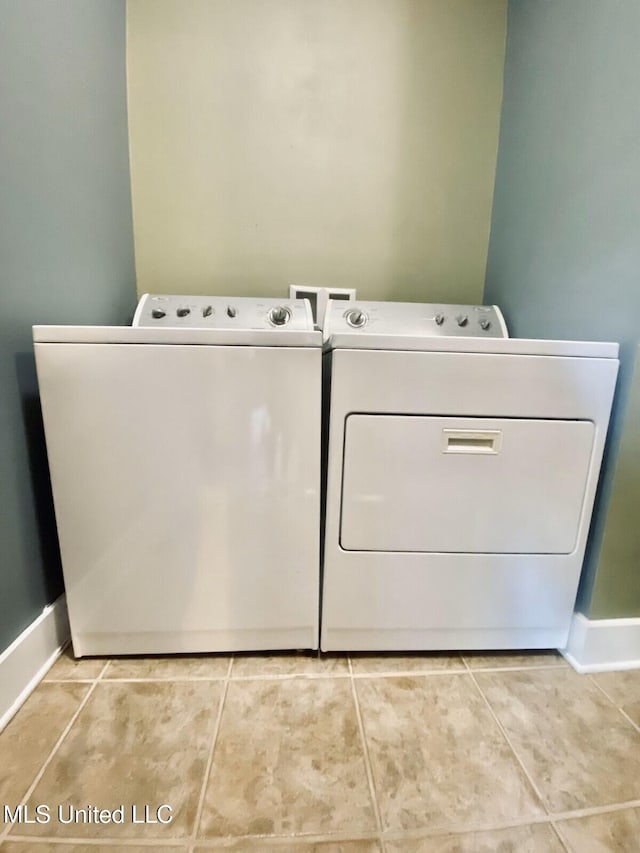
(461, 472)
(185, 462)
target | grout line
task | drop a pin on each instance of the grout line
(409, 673)
(260, 843)
(252, 842)
(289, 675)
(627, 717)
(178, 844)
(601, 689)
(560, 837)
(533, 785)
(615, 704)
(525, 668)
(207, 771)
(102, 671)
(590, 811)
(56, 746)
(367, 759)
(391, 673)
(165, 678)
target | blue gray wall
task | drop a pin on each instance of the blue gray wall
(66, 247)
(564, 253)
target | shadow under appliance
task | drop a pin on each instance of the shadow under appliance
(461, 472)
(185, 462)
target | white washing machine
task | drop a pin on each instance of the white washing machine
(461, 472)
(185, 461)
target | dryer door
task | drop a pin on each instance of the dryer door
(474, 485)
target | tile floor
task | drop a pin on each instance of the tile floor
(397, 753)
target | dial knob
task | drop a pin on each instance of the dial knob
(231, 311)
(183, 312)
(462, 319)
(207, 311)
(439, 318)
(279, 315)
(356, 318)
(158, 313)
(485, 324)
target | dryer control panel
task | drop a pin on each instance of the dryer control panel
(222, 312)
(413, 319)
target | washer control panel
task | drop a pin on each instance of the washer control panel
(416, 320)
(221, 312)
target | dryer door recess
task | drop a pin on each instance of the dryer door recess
(463, 485)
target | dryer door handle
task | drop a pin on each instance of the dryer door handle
(471, 441)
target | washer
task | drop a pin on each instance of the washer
(461, 472)
(185, 462)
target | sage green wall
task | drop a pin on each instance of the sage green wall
(564, 255)
(66, 247)
(616, 589)
(342, 142)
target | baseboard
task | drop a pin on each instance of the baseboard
(599, 645)
(25, 662)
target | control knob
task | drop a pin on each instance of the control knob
(462, 319)
(485, 324)
(231, 311)
(183, 312)
(158, 313)
(439, 318)
(279, 315)
(207, 311)
(356, 318)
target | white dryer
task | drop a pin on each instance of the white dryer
(185, 462)
(461, 472)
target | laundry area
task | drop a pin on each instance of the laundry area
(321, 402)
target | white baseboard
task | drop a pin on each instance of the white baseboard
(600, 645)
(25, 662)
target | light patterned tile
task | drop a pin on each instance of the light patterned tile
(532, 838)
(578, 749)
(439, 759)
(514, 660)
(33, 847)
(618, 832)
(28, 739)
(286, 663)
(623, 688)
(68, 668)
(396, 663)
(288, 759)
(279, 846)
(134, 743)
(169, 667)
